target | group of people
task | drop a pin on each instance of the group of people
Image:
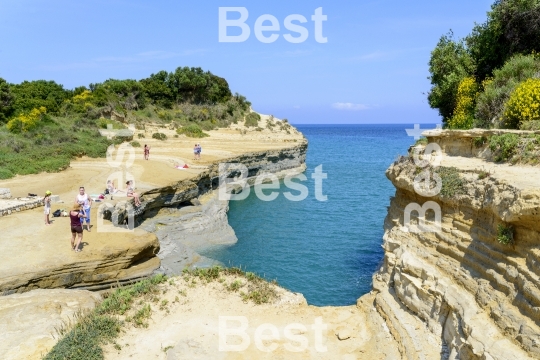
(79, 214)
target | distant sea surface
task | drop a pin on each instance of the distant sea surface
(328, 250)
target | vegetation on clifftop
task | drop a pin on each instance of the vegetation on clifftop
(490, 79)
(133, 305)
(44, 126)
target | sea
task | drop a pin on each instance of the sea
(326, 250)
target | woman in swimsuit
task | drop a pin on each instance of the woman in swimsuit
(75, 216)
(146, 152)
(131, 193)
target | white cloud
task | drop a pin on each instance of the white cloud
(350, 106)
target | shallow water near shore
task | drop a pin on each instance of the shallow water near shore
(327, 250)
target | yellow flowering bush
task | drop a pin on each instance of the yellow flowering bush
(26, 121)
(463, 117)
(523, 105)
(80, 103)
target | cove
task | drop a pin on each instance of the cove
(328, 250)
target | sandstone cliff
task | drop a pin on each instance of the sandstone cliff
(459, 293)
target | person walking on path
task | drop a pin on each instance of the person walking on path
(76, 215)
(86, 202)
(146, 152)
(47, 204)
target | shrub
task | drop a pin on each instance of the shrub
(479, 141)
(497, 90)
(505, 234)
(5, 174)
(192, 130)
(421, 141)
(26, 121)
(503, 146)
(524, 104)
(159, 136)
(140, 136)
(252, 119)
(135, 144)
(463, 117)
(103, 123)
(452, 184)
(164, 115)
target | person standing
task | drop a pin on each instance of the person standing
(76, 216)
(199, 150)
(146, 152)
(86, 203)
(195, 152)
(47, 204)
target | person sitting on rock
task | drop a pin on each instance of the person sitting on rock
(131, 193)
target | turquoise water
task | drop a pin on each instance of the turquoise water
(329, 250)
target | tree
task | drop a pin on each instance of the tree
(6, 100)
(156, 88)
(512, 27)
(36, 94)
(450, 63)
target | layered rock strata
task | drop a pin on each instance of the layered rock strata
(478, 298)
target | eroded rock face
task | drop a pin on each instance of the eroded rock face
(29, 321)
(477, 297)
(189, 216)
(269, 161)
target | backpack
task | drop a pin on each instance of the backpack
(57, 213)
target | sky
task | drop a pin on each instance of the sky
(373, 67)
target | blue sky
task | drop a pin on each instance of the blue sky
(373, 69)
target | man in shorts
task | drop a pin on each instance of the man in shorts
(86, 202)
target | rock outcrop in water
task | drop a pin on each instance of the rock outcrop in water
(459, 293)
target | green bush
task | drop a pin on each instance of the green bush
(192, 130)
(252, 119)
(140, 136)
(159, 136)
(452, 183)
(5, 174)
(104, 123)
(505, 234)
(497, 90)
(135, 144)
(503, 146)
(479, 141)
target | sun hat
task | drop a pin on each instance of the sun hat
(48, 192)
